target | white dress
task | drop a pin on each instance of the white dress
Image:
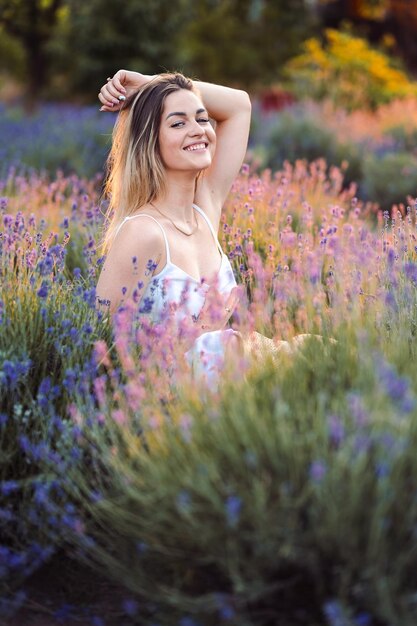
(172, 285)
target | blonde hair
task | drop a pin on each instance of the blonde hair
(135, 170)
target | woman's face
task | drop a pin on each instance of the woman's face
(186, 138)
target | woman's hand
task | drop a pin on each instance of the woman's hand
(118, 88)
(216, 311)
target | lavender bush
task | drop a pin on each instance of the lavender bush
(73, 139)
(284, 495)
(48, 328)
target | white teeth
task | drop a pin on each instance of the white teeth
(198, 146)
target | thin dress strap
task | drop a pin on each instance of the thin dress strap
(210, 226)
(131, 217)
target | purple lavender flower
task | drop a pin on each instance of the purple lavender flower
(225, 608)
(46, 265)
(335, 615)
(391, 257)
(410, 271)
(12, 372)
(183, 501)
(362, 443)
(396, 387)
(382, 469)
(233, 507)
(336, 430)
(150, 267)
(6, 515)
(357, 409)
(89, 296)
(391, 301)
(70, 379)
(8, 486)
(317, 471)
(146, 305)
(43, 290)
(188, 621)
(141, 547)
(64, 612)
(130, 607)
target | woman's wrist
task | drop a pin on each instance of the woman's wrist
(137, 79)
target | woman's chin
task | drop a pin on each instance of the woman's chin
(194, 166)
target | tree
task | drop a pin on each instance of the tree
(72, 45)
(243, 41)
(108, 36)
(376, 19)
(402, 21)
(32, 23)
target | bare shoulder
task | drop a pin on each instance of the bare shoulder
(140, 236)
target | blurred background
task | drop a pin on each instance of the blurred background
(328, 78)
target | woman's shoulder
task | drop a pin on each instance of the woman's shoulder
(138, 232)
(143, 221)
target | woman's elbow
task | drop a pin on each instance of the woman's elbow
(245, 101)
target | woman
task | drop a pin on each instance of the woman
(169, 175)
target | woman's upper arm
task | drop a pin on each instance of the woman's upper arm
(130, 264)
(232, 140)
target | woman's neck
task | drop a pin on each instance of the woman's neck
(178, 200)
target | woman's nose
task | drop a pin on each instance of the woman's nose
(197, 129)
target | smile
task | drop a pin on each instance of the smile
(196, 146)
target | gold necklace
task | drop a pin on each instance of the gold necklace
(174, 224)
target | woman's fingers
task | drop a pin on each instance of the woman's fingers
(113, 92)
(232, 300)
(117, 82)
(106, 101)
(119, 87)
(210, 307)
(107, 98)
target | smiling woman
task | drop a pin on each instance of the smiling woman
(169, 172)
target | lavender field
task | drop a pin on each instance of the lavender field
(296, 478)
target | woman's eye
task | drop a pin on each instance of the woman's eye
(177, 124)
(203, 120)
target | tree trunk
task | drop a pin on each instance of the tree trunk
(402, 20)
(37, 71)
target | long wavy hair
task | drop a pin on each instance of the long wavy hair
(135, 170)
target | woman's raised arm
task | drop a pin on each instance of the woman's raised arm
(231, 109)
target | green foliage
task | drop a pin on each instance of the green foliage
(381, 164)
(346, 70)
(390, 179)
(48, 327)
(11, 55)
(404, 137)
(32, 26)
(242, 42)
(294, 136)
(295, 480)
(300, 478)
(108, 36)
(212, 40)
